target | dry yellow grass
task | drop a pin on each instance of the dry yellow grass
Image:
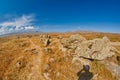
(17, 59)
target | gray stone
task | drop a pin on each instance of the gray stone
(46, 67)
(98, 49)
(77, 37)
(51, 60)
(72, 42)
(46, 42)
(47, 76)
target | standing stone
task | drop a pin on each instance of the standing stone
(46, 42)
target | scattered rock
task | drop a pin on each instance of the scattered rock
(60, 37)
(51, 60)
(58, 74)
(62, 48)
(46, 36)
(34, 51)
(72, 42)
(66, 59)
(46, 42)
(95, 77)
(24, 44)
(18, 64)
(65, 42)
(47, 76)
(77, 37)
(46, 67)
(48, 50)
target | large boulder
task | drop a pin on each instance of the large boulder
(77, 37)
(73, 41)
(98, 49)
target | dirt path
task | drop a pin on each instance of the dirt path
(36, 70)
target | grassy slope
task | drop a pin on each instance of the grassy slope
(12, 52)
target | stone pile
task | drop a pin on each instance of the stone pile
(98, 49)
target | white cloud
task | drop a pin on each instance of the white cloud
(20, 23)
(29, 27)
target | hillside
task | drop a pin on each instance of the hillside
(60, 56)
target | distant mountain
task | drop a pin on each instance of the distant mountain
(21, 32)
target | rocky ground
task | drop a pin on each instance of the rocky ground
(60, 56)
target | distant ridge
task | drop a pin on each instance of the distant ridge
(21, 32)
(90, 31)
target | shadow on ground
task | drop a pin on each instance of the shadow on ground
(85, 74)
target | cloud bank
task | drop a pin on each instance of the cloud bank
(23, 22)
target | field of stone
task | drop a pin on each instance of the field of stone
(60, 56)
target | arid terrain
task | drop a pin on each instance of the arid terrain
(60, 56)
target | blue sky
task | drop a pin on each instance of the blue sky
(60, 15)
